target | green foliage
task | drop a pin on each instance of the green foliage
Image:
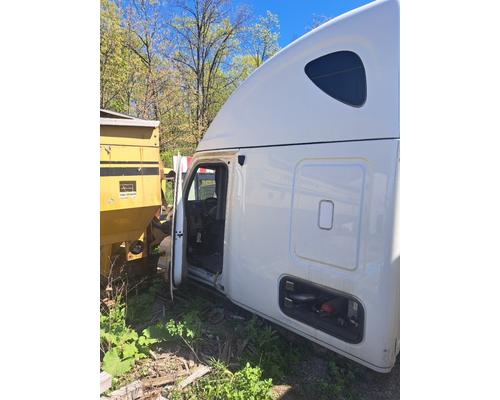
(139, 307)
(155, 250)
(188, 330)
(242, 66)
(264, 38)
(164, 331)
(116, 365)
(222, 384)
(275, 355)
(339, 382)
(121, 345)
(119, 68)
(193, 324)
(342, 377)
(205, 28)
(149, 66)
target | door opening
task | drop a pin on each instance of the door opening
(205, 217)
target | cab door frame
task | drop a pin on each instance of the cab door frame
(178, 270)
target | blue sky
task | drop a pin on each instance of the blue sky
(296, 16)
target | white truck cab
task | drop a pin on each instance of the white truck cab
(296, 219)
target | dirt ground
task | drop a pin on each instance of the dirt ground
(224, 336)
(368, 384)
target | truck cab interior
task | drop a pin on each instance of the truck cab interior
(205, 207)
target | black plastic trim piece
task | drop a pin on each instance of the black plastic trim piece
(298, 144)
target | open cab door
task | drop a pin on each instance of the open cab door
(176, 264)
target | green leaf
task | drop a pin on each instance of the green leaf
(146, 341)
(129, 335)
(115, 366)
(129, 350)
(157, 332)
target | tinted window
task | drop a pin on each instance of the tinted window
(341, 75)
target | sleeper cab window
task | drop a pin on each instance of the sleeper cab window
(340, 75)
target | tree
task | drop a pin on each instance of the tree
(206, 37)
(146, 38)
(158, 94)
(114, 64)
(178, 69)
(264, 36)
(261, 43)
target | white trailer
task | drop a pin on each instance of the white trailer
(300, 222)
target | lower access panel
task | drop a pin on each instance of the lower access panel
(330, 311)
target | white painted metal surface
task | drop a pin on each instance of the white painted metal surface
(340, 183)
(177, 228)
(325, 212)
(279, 104)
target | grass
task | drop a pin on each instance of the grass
(139, 308)
(267, 358)
(223, 384)
(338, 382)
(271, 352)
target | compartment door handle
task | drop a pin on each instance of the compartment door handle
(325, 214)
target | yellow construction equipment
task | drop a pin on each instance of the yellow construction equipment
(130, 187)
